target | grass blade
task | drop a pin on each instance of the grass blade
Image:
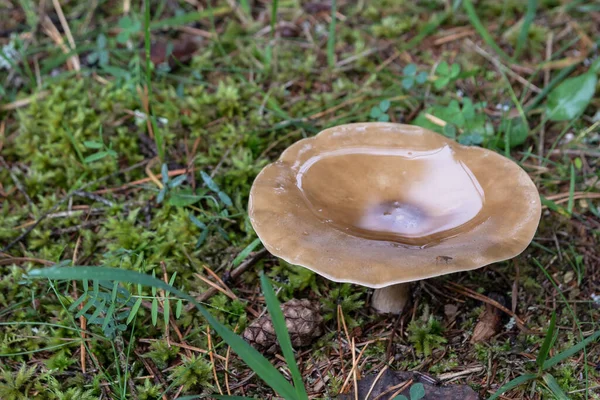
(269, 54)
(571, 191)
(555, 387)
(256, 361)
(570, 351)
(485, 35)
(158, 137)
(282, 335)
(244, 253)
(512, 384)
(154, 311)
(188, 18)
(331, 38)
(543, 353)
(523, 35)
(134, 310)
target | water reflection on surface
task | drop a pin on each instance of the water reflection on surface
(405, 196)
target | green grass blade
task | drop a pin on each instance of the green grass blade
(512, 384)
(269, 53)
(256, 361)
(134, 310)
(571, 191)
(244, 253)
(188, 18)
(282, 335)
(430, 27)
(527, 21)
(331, 38)
(245, 6)
(158, 137)
(570, 351)
(555, 387)
(543, 353)
(485, 35)
(154, 311)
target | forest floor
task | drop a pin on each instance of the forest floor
(87, 178)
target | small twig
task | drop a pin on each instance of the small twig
(17, 260)
(217, 287)
(473, 294)
(63, 22)
(17, 182)
(151, 368)
(388, 352)
(185, 347)
(353, 374)
(234, 275)
(503, 68)
(175, 172)
(542, 138)
(23, 102)
(212, 360)
(379, 375)
(94, 197)
(577, 152)
(63, 200)
(452, 375)
(400, 387)
(227, 365)
(219, 280)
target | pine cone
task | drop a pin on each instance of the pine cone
(303, 322)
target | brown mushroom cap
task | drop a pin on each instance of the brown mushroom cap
(379, 204)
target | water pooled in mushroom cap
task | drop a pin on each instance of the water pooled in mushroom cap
(406, 196)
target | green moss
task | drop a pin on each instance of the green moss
(194, 373)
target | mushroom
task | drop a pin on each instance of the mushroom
(382, 205)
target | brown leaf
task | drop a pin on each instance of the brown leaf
(489, 321)
(183, 49)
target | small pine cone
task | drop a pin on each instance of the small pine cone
(303, 321)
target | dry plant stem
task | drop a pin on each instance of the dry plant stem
(391, 299)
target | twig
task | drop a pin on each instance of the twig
(16, 181)
(502, 67)
(16, 260)
(151, 368)
(234, 275)
(542, 138)
(23, 102)
(212, 360)
(185, 347)
(94, 197)
(175, 172)
(471, 293)
(452, 375)
(400, 387)
(577, 152)
(63, 22)
(63, 200)
(217, 287)
(379, 375)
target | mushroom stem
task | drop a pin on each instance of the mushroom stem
(391, 299)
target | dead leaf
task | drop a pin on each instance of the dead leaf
(489, 321)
